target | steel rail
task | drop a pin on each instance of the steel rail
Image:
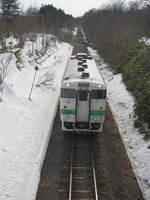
(70, 182)
(94, 173)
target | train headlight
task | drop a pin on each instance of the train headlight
(99, 85)
(95, 119)
(67, 84)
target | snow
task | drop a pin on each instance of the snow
(25, 126)
(121, 103)
(73, 74)
(145, 40)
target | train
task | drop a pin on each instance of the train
(83, 96)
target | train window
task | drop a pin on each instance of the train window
(98, 94)
(104, 94)
(83, 84)
(83, 96)
(68, 93)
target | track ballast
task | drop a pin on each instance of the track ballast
(81, 171)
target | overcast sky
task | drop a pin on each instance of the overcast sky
(74, 7)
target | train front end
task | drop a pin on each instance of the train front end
(82, 106)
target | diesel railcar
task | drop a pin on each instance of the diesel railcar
(83, 96)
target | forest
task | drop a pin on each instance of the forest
(47, 19)
(120, 32)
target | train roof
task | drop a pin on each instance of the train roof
(91, 71)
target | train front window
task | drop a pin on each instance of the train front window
(98, 94)
(68, 93)
(83, 96)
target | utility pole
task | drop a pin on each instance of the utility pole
(36, 69)
(43, 24)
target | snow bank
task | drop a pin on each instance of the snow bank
(146, 40)
(25, 126)
(121, 103)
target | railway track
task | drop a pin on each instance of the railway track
(81, 181)
(78, 44)
(78, 178)
(69, 173)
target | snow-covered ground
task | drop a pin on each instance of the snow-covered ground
(121, 103)
(25, 125)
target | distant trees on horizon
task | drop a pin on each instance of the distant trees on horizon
(48, 19)
(10, 8)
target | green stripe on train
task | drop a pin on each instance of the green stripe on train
(72, 111)
(98, 112)
(67, 111)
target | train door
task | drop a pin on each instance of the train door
(83, 106)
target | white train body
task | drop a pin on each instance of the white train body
(83, 97)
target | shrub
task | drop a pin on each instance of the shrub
(136, 76)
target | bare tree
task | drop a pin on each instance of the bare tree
(145, 2)
(4, 64)
(114, 5)
(134, 5)
(46, 79)
(48, 49)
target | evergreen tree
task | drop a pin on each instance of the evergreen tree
(10, 8)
